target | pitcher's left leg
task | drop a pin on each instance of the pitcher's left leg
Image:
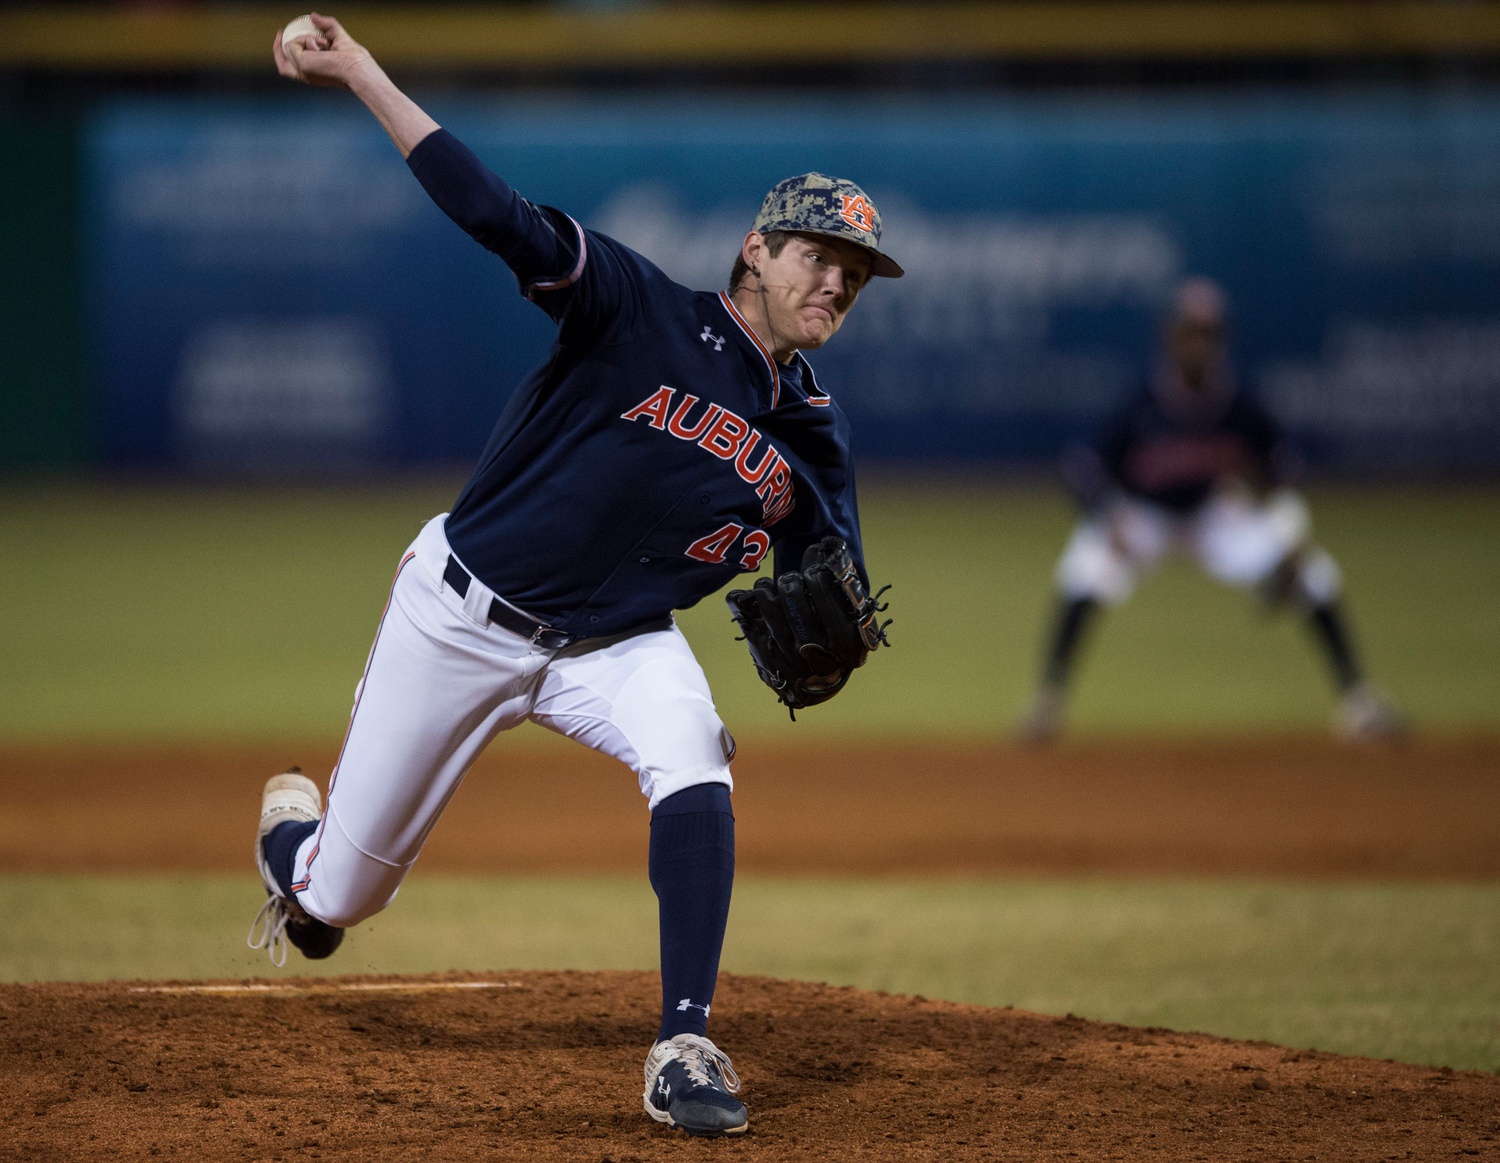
(644, 701)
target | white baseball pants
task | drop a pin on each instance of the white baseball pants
(441, 682)
(1236, 539)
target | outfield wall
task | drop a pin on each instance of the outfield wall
(269, 288)
(47, 415)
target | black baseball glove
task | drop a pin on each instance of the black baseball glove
(808, 630)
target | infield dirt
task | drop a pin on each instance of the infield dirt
(1297, 808)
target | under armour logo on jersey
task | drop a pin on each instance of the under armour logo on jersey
(708, 336)
(688, 1003)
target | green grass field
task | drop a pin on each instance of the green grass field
(166, 612)
(163, 613)
(1389, 971)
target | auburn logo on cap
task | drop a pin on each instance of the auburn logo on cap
(858, 212)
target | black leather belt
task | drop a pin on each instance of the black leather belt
(537, 633)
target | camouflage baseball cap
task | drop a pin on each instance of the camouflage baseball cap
(817, 204)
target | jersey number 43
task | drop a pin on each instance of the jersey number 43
(714, 548)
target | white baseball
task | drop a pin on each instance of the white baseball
(302, 26)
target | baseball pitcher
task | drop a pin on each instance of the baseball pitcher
(671, 439)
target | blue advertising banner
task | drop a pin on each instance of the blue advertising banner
(272, 289)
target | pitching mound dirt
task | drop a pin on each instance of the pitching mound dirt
(546, 1066)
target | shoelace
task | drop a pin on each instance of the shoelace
(271, 921)
(698, 1056)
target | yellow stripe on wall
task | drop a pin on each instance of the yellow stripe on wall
(240, 37)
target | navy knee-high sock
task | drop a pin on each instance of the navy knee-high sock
(1072, 619)
(280, 847)
(692, 871)
(1332, 632)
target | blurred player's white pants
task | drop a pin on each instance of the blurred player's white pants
(439, 685)
(1235, 538)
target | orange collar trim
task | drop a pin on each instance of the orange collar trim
(759, 346)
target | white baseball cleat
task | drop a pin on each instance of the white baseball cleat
(287, 798)
(691, 1084)
(1364, 715)
(1043, 721)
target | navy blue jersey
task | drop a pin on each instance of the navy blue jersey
(1172, 447)
(656, 453)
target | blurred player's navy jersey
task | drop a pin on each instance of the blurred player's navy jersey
(656, 453)
(1171, 446)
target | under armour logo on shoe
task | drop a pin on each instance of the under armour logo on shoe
(663, 1087)
(688, 1003)
(708, 336)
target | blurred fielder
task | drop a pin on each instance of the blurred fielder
(671, 439)
(1193, 464)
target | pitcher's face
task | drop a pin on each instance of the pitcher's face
(809, 287)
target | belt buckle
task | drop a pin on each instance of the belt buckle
(540, 633)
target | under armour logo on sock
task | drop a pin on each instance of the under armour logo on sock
(708, 336)
(688, 1003)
